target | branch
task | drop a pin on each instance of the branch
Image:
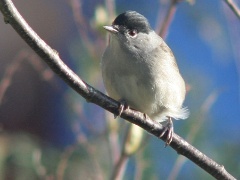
(9, 72)
(233, 7)
(168, 19)
(51, 57)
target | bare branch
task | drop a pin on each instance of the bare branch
(10, 71)
(81, 25)
(50, 56)
(110, 5)
(119, 167)
(168, 19)
(233, 7)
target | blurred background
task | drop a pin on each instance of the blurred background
(47, 131)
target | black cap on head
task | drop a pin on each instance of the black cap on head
(132, 20)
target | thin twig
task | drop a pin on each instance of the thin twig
(82, 26)
(113, 138)
(110, 5)
(51, 57)
(10, 71)
(83, 141)
(44, 71)
(64, 161)
(233, 7)
(168, 19)
(120, 166)
(234, 37)
(141, 165)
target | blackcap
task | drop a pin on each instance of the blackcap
(139, 69)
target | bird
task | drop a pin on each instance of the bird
(140, 71)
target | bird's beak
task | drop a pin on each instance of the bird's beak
(110, 29)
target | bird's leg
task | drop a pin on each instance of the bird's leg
(123, 106)
(168, 128)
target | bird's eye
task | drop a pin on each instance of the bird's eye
(132, 33)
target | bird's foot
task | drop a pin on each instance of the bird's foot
(123, 106)
(168, 128)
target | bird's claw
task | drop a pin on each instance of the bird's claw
(168, 128)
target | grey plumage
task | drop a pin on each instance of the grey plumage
(139, 68)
